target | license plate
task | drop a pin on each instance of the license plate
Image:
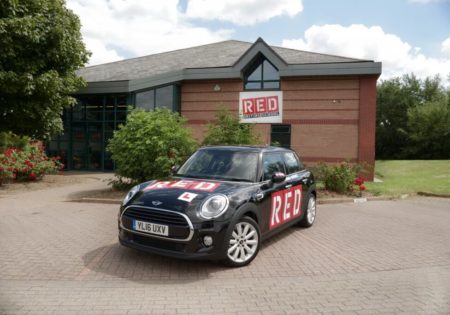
(151, 228)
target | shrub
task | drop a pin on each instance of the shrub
(340, 177)
(229, 131)
(28, 163)
(149, 144)
(9, 139)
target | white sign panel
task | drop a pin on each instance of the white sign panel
(261, 107)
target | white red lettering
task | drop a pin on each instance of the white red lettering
(276, 206)
(282, 203)
(185, 184)
(287, 206)
(272, 104)
(248, 106)
(261, 105)
(297, 201)
(182, 184)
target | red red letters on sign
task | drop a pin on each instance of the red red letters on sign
(286, 205)
(260, 105)
(184, 184)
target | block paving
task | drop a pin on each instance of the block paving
(380, 257)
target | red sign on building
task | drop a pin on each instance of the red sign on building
(261, 107)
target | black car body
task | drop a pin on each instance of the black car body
(220, 205)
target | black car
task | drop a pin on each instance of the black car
(220, 205)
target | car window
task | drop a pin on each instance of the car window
(292, 164)
(272, 162)
(221, 164)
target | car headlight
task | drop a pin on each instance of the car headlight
(214, 206)
(130, 194)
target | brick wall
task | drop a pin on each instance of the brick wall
(324, 113)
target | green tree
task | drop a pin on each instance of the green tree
(429, 130)
(227, 130)
(40, 50)
(149, 144)
(395, 97)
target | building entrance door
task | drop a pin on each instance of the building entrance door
(87, 146)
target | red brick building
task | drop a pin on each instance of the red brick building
(327, 103)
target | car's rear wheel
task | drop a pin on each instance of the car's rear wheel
(243, 243)
(310, 214)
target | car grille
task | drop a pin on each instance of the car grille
(156, 216)
(179, 227)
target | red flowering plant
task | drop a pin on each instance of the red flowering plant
(27, 164)
(359, 181)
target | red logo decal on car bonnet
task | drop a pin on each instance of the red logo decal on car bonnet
(286, 205)
(185, 184)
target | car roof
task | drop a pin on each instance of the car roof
(247, 148)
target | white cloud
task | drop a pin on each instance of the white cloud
(118, 29)
(445, 46)
(362, 42)
(243, 12)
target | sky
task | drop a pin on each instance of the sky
(407, 36)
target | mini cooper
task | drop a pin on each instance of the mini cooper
(220, 204)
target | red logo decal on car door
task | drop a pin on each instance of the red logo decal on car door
(286, 205)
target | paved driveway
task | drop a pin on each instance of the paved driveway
(379, 257)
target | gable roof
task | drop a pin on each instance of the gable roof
(218, 60)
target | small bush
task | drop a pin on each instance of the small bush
(149, 144)
(340, 177)
(9, 139)
(28, 163)
(229, 131)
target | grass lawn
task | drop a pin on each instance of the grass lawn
(413, 176)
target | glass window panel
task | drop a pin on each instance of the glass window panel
(77, 110)
(270, 72)
(146, 100)
(271, 85)
(256, 74)
(253, 85)
(272, 162)
(164, 97)
(122, 102)
(121, 116)
(291, 163)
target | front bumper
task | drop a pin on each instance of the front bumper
(191, 249)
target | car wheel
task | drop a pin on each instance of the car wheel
(310, 214)
(243, 243)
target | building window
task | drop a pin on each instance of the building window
(281, 136)
(163, 97)
(262, 75)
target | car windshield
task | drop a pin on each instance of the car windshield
(221, 164)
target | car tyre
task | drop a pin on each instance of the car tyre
(243, 243)
(310, 214)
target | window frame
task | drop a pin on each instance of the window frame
(260, 60)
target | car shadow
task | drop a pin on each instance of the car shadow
(115, 261)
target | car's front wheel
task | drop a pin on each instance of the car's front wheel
(243, 243)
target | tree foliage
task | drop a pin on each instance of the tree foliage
(227, 130)
(400, 100)
(149, 144)
(429, 130)
(40, 50)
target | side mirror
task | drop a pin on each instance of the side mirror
(278, 177)
(174, 169)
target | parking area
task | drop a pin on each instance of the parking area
(378, 257)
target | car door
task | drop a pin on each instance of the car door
(297, 176)
(271, 162)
